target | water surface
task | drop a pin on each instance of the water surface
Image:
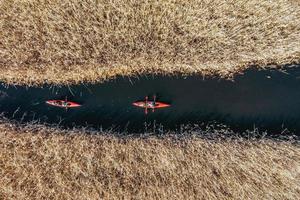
(267, 99)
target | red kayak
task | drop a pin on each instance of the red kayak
(150, 104)
(63, 103)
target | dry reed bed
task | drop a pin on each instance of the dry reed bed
(37, 162)
(72, 41)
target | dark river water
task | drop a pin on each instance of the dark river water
(267, 100)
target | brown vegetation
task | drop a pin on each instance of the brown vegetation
(47, 163)
(72, 41)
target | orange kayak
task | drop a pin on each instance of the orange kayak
(150, 104)
(63, 103)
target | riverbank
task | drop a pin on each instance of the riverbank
(39, 162)
(74, 41)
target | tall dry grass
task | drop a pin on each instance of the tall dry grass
(91, 40)
(37, 162)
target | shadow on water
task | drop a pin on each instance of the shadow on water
(267, 99)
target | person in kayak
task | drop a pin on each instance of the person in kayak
(151, 104)
(65, 104)
(62, 103)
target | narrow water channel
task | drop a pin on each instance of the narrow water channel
(267, 99)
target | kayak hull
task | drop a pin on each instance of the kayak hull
(63, 103)
(142, 104)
